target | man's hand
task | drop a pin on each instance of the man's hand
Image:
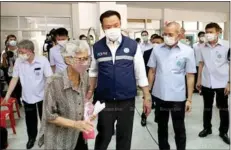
(227, 89)
(198, 85)
(147, 104)
(188, 106)
(89, 94)
(5, 100)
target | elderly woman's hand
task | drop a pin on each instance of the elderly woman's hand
(84, 126)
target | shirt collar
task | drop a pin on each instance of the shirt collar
(219, 42)
(118, 41)
(68, 84)
(36, 60)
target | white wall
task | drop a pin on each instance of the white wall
(35, 9)
(87, 15)
(143, 13)
(189, 15)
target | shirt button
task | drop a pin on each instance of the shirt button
(79, 103)
(80, 113)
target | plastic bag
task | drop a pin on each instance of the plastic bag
(90, 110)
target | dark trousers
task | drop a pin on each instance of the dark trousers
(32, 118)
(222, 103)
(4, 138)
(81, 144)
(122, 112)
(177, 110)
(195, 83)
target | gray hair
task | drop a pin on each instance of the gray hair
(26, 44)
(73, 47)
(177, 25)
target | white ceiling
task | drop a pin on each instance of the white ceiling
(197, 6)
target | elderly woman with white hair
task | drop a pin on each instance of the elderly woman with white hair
(63, 107)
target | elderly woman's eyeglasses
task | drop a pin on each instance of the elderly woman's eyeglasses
(80, 59)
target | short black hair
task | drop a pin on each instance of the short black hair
(109, 13)
(82, 36)
(158, 37)
(138, 40)
(200, 33)
(61, 32)
(213, 25)
(144, 32)
(154, 35)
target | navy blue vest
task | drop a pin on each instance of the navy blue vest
(116, 81)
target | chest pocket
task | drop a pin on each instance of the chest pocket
(178, 65)
(38, 73)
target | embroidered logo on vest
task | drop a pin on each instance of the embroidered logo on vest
(126, 50)
(102, 54)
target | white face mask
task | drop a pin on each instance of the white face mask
(202, 39)
(62, 42)
(12, 43)
(23, 57)
(145, 38)
(154, 45)
(113, 34)
(169, 40)
(210, 37)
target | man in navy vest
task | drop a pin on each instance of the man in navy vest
(117, 66)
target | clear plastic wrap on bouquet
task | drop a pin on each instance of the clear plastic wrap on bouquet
(90, 110)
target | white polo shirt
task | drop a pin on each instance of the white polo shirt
(215, 73)
(56, 59)
(171, 66)
(32, 77)
(197, 46)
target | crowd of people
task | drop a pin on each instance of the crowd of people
(166, 68)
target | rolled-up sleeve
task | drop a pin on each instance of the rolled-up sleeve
(152, 60)
(190, 62)
(139, 66)
(50, 105)
(93, 70)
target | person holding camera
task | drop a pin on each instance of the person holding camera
(56, 59)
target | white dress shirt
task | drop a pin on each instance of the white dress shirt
(171, 66)
(139, 66)
(215, 73)
(146, 46)
(32, 77)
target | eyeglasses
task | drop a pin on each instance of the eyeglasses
(80, 59)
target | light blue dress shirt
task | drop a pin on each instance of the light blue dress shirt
(171, 67)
